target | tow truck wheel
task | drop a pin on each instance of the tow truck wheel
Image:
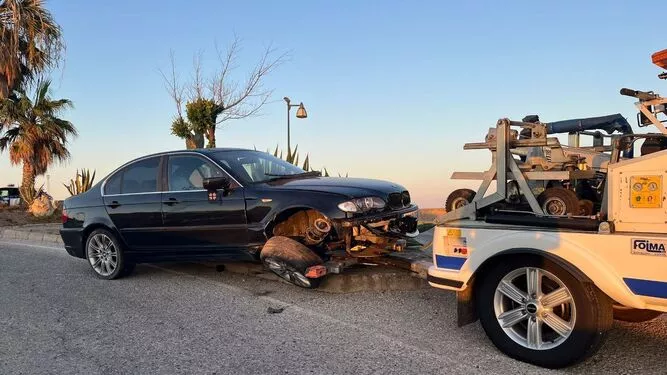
(559, 201)
(292, 261)
(459, 198)
(535, 311)
(627, 314)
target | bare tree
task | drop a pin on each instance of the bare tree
(211, 101)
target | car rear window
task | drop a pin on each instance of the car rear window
(139, 177)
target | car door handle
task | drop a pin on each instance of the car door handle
(170, 201)
(113, 204)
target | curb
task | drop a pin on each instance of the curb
(17, 234)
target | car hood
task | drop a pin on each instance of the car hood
(349, 187)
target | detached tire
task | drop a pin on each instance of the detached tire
(559, 201)
(459, 198)
(630, 315)
(289, 259)
(535, 311)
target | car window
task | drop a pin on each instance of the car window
(112, 186)
(188, 172)
(4, 193)
(139, 177)
(254, 166)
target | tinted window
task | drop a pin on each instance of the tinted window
(255, 166)
(140, 177)
(189, 172)
(112, 186)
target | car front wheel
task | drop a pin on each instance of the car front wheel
(291, 261)
(105, 255)
(535, 311)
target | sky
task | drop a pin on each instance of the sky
(393, 89)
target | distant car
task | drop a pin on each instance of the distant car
(233, 204)
(10, 196)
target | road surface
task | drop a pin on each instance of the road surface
(56, 317)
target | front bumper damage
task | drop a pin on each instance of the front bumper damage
(377, 234)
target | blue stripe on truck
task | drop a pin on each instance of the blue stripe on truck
(452, 263)
(649, 288)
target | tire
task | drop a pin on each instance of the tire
(105, 255)
(626, 314)
(586, 207)
(459, 198)
(289, 259)
(559, 201)
(586, 310)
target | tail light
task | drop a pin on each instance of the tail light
(63, 216)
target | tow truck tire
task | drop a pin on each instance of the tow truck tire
(559, 201)
(289, 259)
(584, 309)
(630, 315)
(459, 198)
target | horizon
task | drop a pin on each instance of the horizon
(392, 90)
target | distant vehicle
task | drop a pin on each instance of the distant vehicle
(235, 204)
(9, 196)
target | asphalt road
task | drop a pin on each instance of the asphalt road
(56, 317)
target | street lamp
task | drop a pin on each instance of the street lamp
(300, 113)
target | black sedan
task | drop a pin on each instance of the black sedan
(234, 205)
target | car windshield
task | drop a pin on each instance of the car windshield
(256, 166)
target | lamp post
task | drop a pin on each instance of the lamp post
(300, 113)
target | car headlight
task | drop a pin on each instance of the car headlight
(362, 204)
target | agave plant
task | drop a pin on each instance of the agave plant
(82, 182)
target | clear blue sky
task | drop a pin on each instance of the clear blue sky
(393, 88)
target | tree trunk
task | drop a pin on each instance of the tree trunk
(28, 183)
(194, 141)
(210, 135)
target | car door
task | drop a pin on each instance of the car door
(193, 224)
(133, 200)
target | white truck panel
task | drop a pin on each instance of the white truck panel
(637, 194)
(629, 268)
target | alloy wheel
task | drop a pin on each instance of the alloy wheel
(534, 308)
(102, 254)
(286, 272)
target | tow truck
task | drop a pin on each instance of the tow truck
(546, 288)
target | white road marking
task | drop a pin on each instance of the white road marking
(32, 245)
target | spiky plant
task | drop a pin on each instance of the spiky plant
(81, 183)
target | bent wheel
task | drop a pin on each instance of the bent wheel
(459, 198)
(536, 312)
(290, 260)
(105, 255)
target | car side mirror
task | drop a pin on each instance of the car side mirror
(213, 184)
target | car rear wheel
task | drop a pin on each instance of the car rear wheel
(292, 261)
(105, 255)
(535, 311)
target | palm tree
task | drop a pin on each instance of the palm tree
(34, 134)
(30, 43)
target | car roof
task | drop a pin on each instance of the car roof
(204, 151)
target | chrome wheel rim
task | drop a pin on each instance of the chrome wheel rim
(102, 254)
(555, 206)
(534, 308)
(281, 269)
